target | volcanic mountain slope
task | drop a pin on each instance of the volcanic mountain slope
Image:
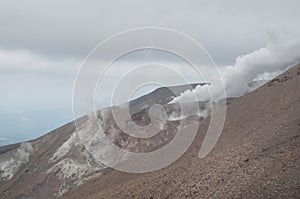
(257, 155)
(57, 162)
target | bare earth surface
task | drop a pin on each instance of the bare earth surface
(257, 156)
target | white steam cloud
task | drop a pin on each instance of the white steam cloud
(279, 54)
(9, 168)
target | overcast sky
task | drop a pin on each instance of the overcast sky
(43, 43)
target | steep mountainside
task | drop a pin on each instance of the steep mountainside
(58, 162)
(257, 155)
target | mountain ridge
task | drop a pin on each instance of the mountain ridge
(259, 139)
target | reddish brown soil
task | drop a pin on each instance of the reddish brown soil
(257, 155)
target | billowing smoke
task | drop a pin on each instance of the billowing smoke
(279, 54)
(9, 168)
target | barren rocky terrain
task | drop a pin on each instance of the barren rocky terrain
(257, 156)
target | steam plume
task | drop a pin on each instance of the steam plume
(279, 54)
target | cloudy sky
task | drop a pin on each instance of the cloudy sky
(42, 45)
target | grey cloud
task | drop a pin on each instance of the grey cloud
(72, 28)
(42, 43)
